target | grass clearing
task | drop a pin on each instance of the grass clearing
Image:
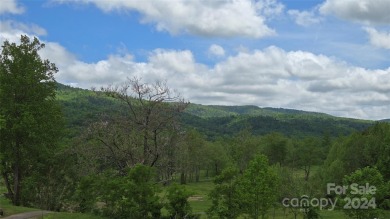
(10, 209)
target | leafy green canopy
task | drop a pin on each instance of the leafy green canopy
(31, 120)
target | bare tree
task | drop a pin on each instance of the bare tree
(143, 132)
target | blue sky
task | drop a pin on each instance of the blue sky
(320, 55)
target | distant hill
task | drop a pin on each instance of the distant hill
(82, 107)
(207, 111)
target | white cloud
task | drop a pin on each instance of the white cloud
(11, 30)
(206, 18)
(269, 8)
(304, 18)
(377, 38)
(216, 50)
(365, 11)
(10, 6)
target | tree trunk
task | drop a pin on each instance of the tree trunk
(197, 174)
(17, 172)
(17, 181)
(7, 183)
(183, 178)
(307, 173)
(146, 148)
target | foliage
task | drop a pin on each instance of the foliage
(190, 156)
(82, 107)
(305, 154)
(275, 148)
(52, 184)
(311, 213)
(217, 157)
(242, 148)
(358, 208)
(178, 205)
(258, 187)
(31, 118)
(130, 196)
(225, 197)
(368, 148)
(253, 193)
(301, 125)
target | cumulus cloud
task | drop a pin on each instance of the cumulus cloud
(206, 18)
(304, 18)
(10, 6)
(11, 30)
(365, 11)
(377, 38)
(216, 50)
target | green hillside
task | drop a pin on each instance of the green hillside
(82, 107)
(208, 111)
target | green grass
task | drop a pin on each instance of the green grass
(200, 201)
(64, 215)
(10, 209)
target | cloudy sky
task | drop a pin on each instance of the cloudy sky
(328, 56)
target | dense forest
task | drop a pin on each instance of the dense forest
(82, 106)
(129, 150)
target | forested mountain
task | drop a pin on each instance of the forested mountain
(84, 106)
(207, 111)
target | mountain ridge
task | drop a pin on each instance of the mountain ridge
(82, 107)
(207, 111)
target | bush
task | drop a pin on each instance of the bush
(178, 205)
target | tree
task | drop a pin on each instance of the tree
(226, 200)
(360, 201)
(275, 148)
(144, 126)
(292, 187)
(358, 150)
(216, 157)
(134, 195)
(258, 187)
(191, 156)
(306, 154)
(243, 148)
(31, 120)
(178, 205)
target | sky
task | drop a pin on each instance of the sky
(327, 56)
